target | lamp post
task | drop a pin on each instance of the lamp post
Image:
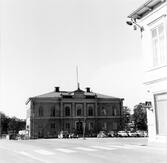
(84, 126)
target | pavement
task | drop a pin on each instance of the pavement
(90, 150)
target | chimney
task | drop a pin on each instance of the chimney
(87, 89)
(57, 89)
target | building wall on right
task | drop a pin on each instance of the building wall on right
(154, 48)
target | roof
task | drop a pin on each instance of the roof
(146, 8)
(60, 94)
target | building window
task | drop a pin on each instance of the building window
(52, 113)
(104, 112)
(79, 109)
(67, 111)
(104, 126)
(158, 45)
(114, 110)
(40, 111)
(114, 126)
(90, 125)
(52, 125)
(90, 111)
(67, 126)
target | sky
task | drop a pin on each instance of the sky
(42, 42)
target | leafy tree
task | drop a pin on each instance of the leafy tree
(140, 117)
(126, 117)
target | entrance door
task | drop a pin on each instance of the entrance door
(79, 127)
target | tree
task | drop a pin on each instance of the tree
(140, 117)
(126, 117)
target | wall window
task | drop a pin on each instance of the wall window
(90, 111)
(40, 111)
(52, 112)
(67, 126)
(79, 109)
(52, 125)
(158, 45)
(90, 125)
(115, 126)
(103, 110)
(67, 111)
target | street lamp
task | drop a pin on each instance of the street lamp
(84, 126)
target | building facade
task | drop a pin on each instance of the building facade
(73, 112)
(151, 18)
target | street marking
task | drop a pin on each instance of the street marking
(31, 156)
(86, 149)
(44, 152)
(103, 147)
(65, 150)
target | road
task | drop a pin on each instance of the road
(91, 150)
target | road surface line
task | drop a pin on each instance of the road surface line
(31, 156)
(103, 147)
(86, 149)
(66, 150)
(44, 152)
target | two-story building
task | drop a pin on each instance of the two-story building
(58, 111)
(151, 19)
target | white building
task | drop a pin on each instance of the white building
(151, 19)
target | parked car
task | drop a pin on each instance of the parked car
(111, 134)
(73, 135)
(132, 133)
(102, 134)
(141, 133)
(63, 134)
(122, 134)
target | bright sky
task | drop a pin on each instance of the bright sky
(42, 41)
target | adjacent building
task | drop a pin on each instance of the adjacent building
(151, 19)
(73, 111)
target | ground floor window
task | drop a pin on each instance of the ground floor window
(161, 113)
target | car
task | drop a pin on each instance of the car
(141, 133)
(63, 134)
(102, 134)
(111, 134)
(73, 135)
(132, 133)
(122, 134)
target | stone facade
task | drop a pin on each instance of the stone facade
(69, 111)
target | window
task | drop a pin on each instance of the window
(40, 111)
(90, 111)
(90, 125)
(67, 126)
(104, 112)
(52, 113)
(158, 45)
(67, 111)
(79, 109)
(52, 125)
(114, 126)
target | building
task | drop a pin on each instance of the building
(71, 111)
(151, 19)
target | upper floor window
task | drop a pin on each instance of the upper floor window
(79, 109)
(90, 111)
(41, 111)
(103, 110)
(67, 111)
(158, 45)
(52, 113)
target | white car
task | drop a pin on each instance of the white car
(122, 134)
